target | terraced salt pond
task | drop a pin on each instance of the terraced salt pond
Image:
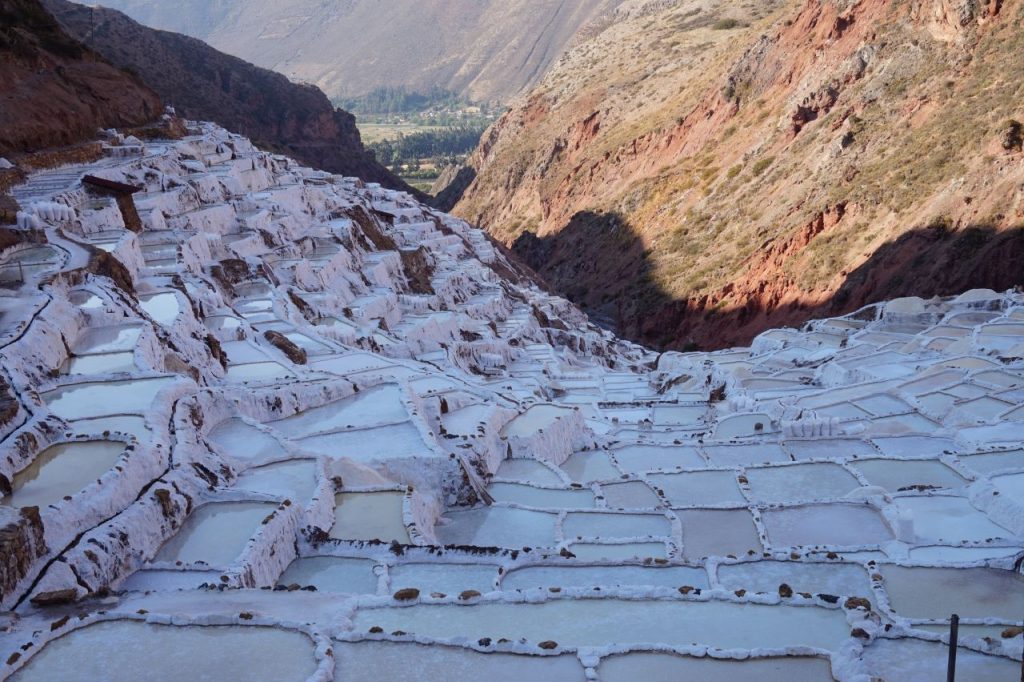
(332, 574)
(117, 651)
(370, 516)
(395, 660)
(62, 470)
(656, 666)
(100, 399)
(666, 515)
(603, 622)
(215, 534)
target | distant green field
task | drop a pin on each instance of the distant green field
(376, 132)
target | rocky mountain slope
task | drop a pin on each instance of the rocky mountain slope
(704, 171)
(202, 83)
(54, 91)
(486, 50)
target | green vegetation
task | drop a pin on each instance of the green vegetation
(762, 165)
(417, 135)
(444, 145)
(396, 100)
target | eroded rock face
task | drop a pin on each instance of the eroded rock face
(58, 92)
(671, 192)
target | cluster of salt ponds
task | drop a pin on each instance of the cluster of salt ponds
(717, 507)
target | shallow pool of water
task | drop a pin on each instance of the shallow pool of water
(444, 578)
(104, 363)
(825, 524)
(911, 660)
(606, 525)
(163, 307)
(657, 666)
(528, 470)
(215, 533)
(699, 487)
(587, 467)
(969, 592)
(948, 519)
(800, 482)
(240, 440)
(639, 458)
(600, 622)
(894, 475)
(62, 470)
(845, 580)
(377, 405)
(630, 495)
(369, 516)
(498, 527)
(100, 399)
(537, 418)
(604, 576)
(396, 441)
(120, 650)
(407, 660)
(295, 481)
(594, 551)
(545, 498)
(718, 532)
(332, 574)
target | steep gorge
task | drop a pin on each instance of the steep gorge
(701, 172)
(202, 83)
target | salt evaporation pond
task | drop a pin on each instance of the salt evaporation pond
(444, 578)
(537, 418)
(968, 592)
(603, 622)
(216, 533)
(405, 660)
(657, 666)
(590, 551)
(639, 458)
(800, 482)
(163, 307)
(235, 438)
(895, 475)
(949, 519)
(119, 651)
(586, 467)
(129, 424)
(378, 405)
(606, 525)
(841, 580)
(369, 516)
(528, 470)
(531, 496)
(62, 470)
(116, 338)
(101, 399)
(535, 577)
(497, 526)
(718, 532)
(697, 488)
(332, 574)
(104, 363)
(364, 445)
(909, 660)
(825, 524)
(630, 495)
(294, 480)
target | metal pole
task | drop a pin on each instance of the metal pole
(954, 632)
